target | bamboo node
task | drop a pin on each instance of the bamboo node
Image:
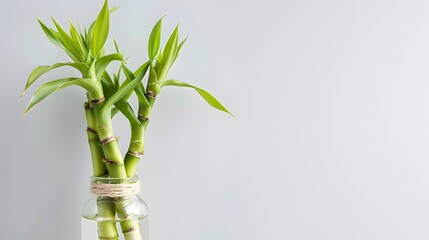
(108, 140)
(135, 154)
(96, 101)
(110, 162)
(86, 105)
(150, 94)
(129, 230)
(115, 190)
(140, 117)
(91, 130)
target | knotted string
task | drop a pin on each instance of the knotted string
(115, 190)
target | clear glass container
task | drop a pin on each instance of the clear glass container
(115, 211)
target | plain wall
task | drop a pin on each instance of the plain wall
(329, 141)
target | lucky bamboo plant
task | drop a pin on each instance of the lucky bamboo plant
(108, 94)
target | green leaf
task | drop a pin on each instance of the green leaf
(78, 40)
(39, 71)
(172, 42)
(102, 63)
(140, 88)
(100, 31)
(107, 80)
(68, 42)
(153, 77)
(88, 35)
(91, 72)
(206, 95)
(168, 54)
(55, 38)
(113, 9)
(49, 33)
(121, 105)
(116, 81)
(178, 49)
(116, 46)
(117, 78)
(141, 68)
(159, 58)
(155, 40)
(128, 73)
(48, 88)
(121, 93)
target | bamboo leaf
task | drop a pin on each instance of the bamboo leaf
(178, 49)
(101, 30)
(113, 9)
(128, 73)
(48, 88)
(155, 40)
(128, 77)
(55, 38)
(39, 71)
(107, 80)
(92, 73)
(116, 81)
(78, 39)
(204, 94)
(85, 34)
(121, 93)
(116, 46)
(121, 105)
(68, 42)
(159, 57)
(143, 103)
(114, 111)
(116, 78)
(152, 75)
(171, 46)
(168, 54)
(141, 68)
(50, 35)
(69, 53)
(88, 35)
(102, 63)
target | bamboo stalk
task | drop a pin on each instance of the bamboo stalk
(107, 224)
(130, 226)
(106, 228)
(135, 150)
(116, 168)
(98, 167)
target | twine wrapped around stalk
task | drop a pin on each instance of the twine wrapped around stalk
(115, 190)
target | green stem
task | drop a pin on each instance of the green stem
(112, 154)
(135, 149)
(116, 168)
(108, 142)
(130, 227)
(98, 166)
(137, 139)
(107, 224)
(106, 211)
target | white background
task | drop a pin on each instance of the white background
(329, 141)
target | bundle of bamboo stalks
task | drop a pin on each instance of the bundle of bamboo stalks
(108, 94)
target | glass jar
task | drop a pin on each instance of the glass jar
(115, 211)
